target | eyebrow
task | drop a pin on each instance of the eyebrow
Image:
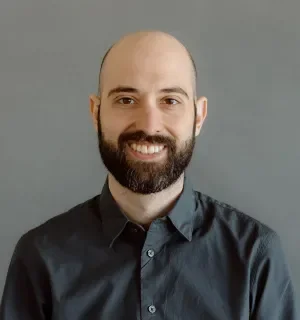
(121, 89)
(175, 90)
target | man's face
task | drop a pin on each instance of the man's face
(147, 118)
(145, 169)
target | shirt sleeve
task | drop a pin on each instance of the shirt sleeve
(24, 296)
(272, 293)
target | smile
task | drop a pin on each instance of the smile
(146, 148)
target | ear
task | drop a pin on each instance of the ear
(201, 106)
(94, 107)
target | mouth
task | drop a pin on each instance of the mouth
(146, 151)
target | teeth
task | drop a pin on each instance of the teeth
(151, 149)
(146, 149)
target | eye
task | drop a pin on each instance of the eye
(125, 100)
(171, 101)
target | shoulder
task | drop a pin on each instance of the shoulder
(61, 229)
(233, 225)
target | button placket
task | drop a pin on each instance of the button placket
(156, 237)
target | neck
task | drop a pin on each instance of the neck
(143, 209)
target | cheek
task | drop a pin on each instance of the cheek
(112, 127)
(182, 127)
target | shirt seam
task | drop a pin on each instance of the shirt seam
(263, 247)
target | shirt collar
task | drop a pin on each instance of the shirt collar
(113, 220)
(182, 215)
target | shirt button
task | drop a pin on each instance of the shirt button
(151, 309)
(150, 253)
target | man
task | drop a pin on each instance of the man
(149, 246)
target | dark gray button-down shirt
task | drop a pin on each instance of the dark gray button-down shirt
(206, 260)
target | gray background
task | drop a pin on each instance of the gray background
(247, 155)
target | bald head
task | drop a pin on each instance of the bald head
(152, 46)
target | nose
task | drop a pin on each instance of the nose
(149, 119)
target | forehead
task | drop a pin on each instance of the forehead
(148, 68)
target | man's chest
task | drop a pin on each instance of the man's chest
(160, 281)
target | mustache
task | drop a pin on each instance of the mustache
(141, 136)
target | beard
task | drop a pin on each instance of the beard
(141, 176)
